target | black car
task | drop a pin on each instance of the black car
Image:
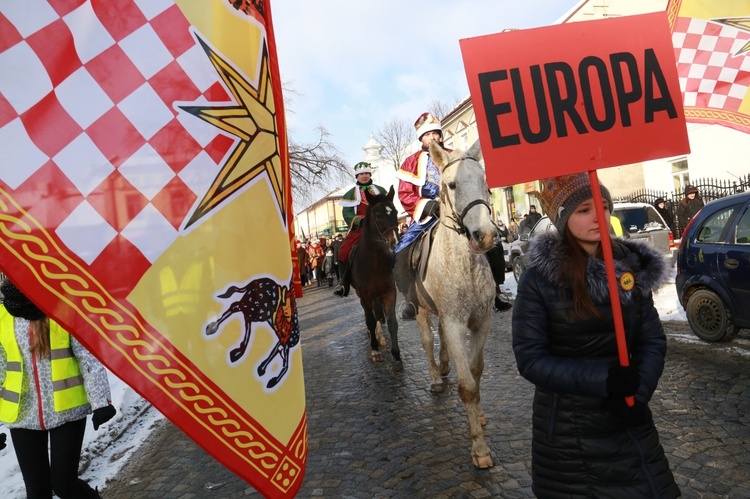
(713, 268)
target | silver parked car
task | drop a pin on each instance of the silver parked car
(642, 221)
(638, 220)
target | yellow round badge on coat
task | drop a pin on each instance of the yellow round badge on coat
(627, 281)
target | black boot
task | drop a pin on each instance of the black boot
(343, 289)
(502, 302)
(408, 312)
(496, 259)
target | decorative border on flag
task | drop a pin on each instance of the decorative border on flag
(195, 396)
(737, 121)
(673, 8)
(731, 119)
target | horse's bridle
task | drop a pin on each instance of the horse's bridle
(383, 232)
(458, 220)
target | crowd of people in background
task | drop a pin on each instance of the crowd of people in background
(318, 261)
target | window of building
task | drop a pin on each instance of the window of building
(680, 174)
(465, 140)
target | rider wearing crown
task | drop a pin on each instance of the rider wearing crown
(419, 181)
(418, 191)
(355, 205)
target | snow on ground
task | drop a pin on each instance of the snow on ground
(105, 451)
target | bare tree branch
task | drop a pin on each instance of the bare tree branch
(442, 108)
(315, 167)
(395, 135)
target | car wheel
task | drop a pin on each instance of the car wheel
(708, 317)
(518, 267)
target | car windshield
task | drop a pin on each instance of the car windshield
(639, 218)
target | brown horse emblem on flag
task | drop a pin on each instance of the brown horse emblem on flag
(263, 300)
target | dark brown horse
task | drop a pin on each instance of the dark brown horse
(372, 273)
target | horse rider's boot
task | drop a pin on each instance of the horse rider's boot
(343, 289)
(408, 313)
(496, 260)
(502, 301)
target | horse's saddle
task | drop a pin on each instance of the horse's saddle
(419, 252)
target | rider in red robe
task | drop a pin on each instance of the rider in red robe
(418, 191)
(419, 181)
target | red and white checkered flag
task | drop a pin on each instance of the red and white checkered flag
(144, 151)
(711, 43)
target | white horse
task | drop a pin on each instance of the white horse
(458, 285)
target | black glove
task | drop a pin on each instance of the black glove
(623, 381)
(431, 208)
(3, 437)
(637, 415)
(102, 415)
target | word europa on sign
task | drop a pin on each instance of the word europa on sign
(556, 88)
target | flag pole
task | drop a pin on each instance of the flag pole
(609, 264)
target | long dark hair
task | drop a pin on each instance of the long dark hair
(575, 272)
(18, 305)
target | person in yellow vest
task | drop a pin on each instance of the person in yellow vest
(615, 226)
(50, 383)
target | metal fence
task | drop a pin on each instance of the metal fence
(709, 189)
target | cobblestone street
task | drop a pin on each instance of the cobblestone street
(377, 432)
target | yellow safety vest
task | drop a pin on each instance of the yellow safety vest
(182, 297)
(616, 226)
(67, 382)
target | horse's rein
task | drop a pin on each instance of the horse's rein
(453, 216)
(385, 231)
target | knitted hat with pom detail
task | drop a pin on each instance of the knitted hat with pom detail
(560, 196)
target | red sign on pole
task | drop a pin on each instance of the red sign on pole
(575, 97)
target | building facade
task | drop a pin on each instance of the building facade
(324, 218)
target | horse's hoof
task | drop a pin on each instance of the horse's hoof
(382, 342)
(482, 462)
(272, 383)
(437, 387)
(376, 356)
(398, 366)
(445, 370)
(235, 355)
(261, 371)
(211, 329)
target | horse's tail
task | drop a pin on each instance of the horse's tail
(378, 309)
(234, 289)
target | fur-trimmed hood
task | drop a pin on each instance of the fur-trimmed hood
(646, 263)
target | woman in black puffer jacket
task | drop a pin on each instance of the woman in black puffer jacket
(586, 441)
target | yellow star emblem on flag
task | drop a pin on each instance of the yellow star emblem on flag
(253, 121)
